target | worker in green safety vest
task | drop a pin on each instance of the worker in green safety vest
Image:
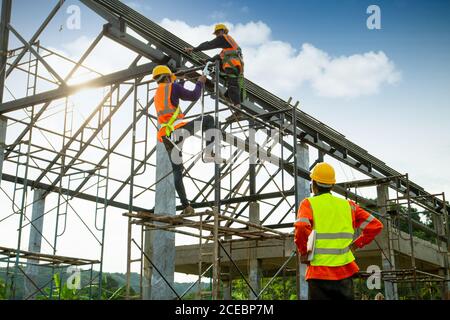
(325, 237)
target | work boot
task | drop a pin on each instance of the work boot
(188, 210)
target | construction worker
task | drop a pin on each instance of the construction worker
(167, 99)
(334, 220)
(231, 60)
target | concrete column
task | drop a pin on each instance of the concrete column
(255, 270)
(226, 283)
(34, 243)
(226, 270)
(148, 269)
(303, 192)
(160, 245)
(390, 288)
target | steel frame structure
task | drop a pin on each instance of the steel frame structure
(69, 172)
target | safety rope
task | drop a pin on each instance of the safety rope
(169, 125)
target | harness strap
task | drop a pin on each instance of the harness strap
(169, 125)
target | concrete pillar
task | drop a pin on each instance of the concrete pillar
(386, 243)
(303, 192)
(226, 270)
(255, 270)
(160, 245)
(226, 283)
(34, 243)
(148, 269)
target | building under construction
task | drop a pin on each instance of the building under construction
(61, 169)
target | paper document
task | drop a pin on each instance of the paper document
(311, 245)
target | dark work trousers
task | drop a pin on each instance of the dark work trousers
(233, 90)
(331, 289)
(177, 161)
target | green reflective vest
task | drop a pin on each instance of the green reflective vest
(332, 219)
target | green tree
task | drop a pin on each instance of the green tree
(2, 290)
(279, 289)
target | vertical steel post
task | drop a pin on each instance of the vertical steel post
(4, 40)
(445, 220)
(388, 262)
(252, 157)
(296, 196)
(411, 237)
(216, 209)
(130, 201)
(294, 150)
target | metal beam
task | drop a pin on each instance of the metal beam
(71, 193)
(116, 77)
(35, 36)
(44, 107)
(4, 41)
(313, 132)
(36, 54)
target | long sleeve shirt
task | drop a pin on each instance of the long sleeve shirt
(370, 227)
(179, 92)
(216, 43)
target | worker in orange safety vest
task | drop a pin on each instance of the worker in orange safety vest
(167, 99)
(231, 61)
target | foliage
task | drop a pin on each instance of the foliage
(2, 290)
(423, 217)
(111, 290)
(430, 291)
(279, 289)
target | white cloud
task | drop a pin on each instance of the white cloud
(279, 67)
(101, 58)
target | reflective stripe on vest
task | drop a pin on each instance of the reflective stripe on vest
(305, 220)
(366, 222)
(333, 224)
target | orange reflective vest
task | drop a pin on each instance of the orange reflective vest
(232, 57)
(165, 110)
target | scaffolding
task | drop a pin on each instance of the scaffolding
(73, 162)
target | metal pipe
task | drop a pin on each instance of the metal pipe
(157, 270)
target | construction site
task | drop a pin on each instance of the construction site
(63, 170)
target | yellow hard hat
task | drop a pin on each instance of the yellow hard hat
(323, 173)
(163, 70)
(219, 27)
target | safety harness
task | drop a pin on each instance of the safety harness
(169, 125)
